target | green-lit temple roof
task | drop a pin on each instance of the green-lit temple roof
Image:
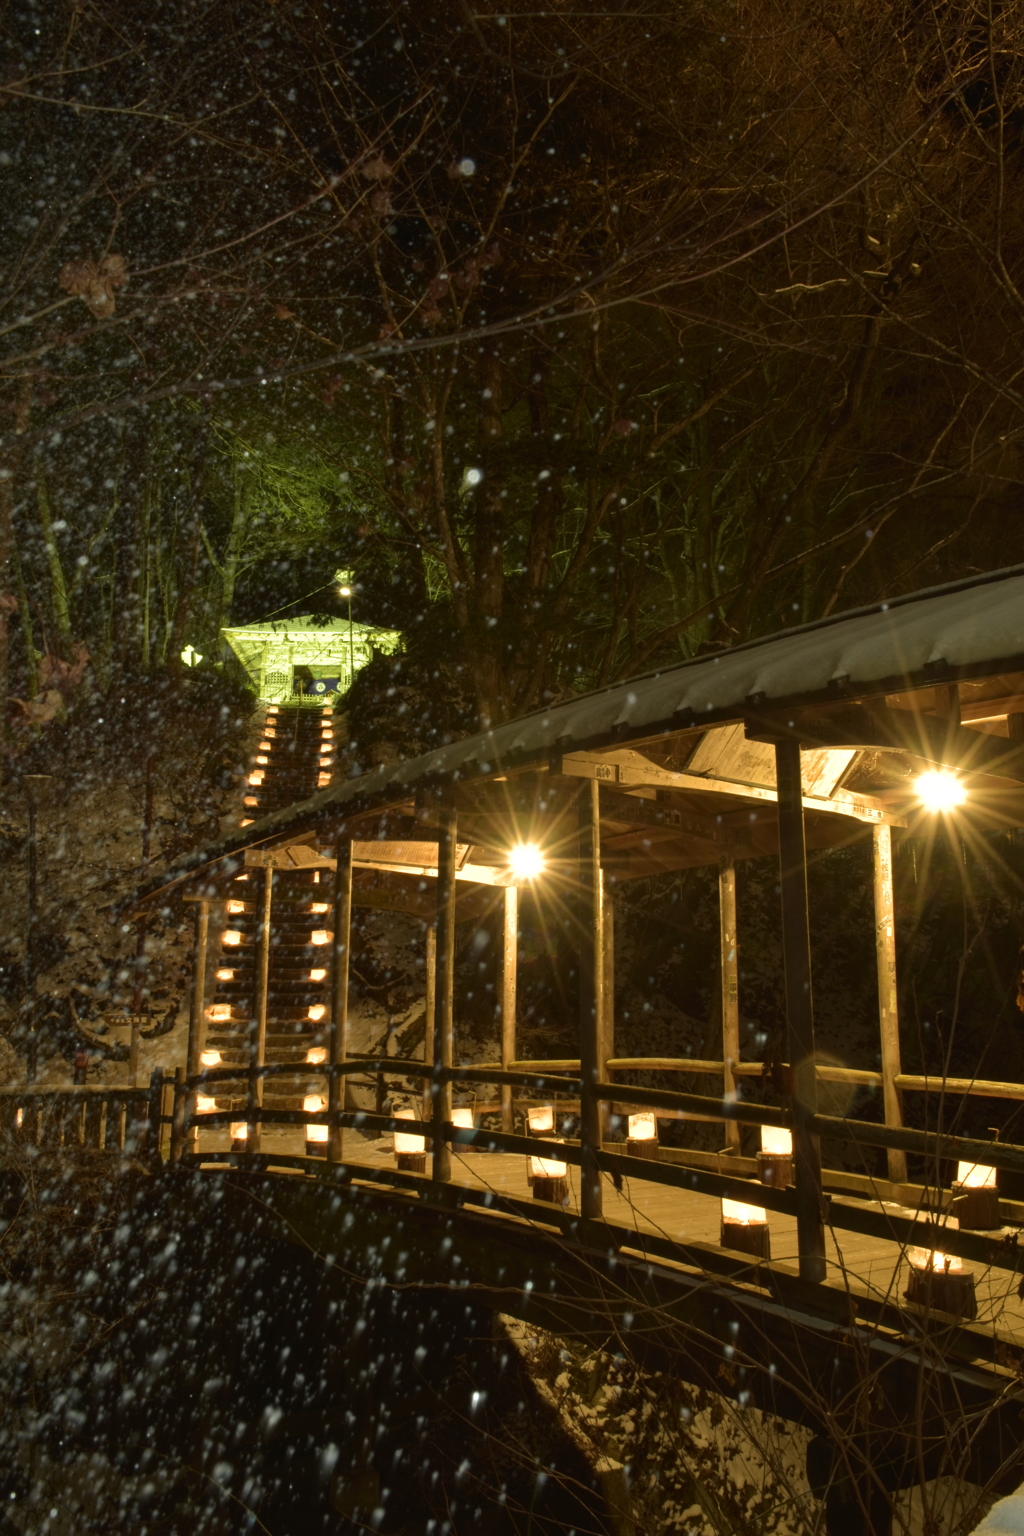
(305, 659)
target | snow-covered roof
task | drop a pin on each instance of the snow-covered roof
(968, 629)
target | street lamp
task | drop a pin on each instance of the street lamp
(939, 790)
(346, 589)
(526, 861)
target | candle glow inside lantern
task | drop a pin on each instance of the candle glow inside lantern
(775, 1159)
(316, 1011)
(204, 1104)
(210, 1059)
(975, 1197)
(316, 1055)
(462, 1117)
(541, 1119)
(218, 1013)
(239, 1135)
(231, 937)
(320, 936)
(316, 1135)
(642, 1136)
(939, 1282)
(549, 1177)
(410, 1151)
(745, 1229)
(318, 973)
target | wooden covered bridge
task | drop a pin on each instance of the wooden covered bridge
(871, 721)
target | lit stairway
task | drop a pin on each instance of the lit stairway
(294, 759)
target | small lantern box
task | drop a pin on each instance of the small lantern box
(775, 1159)
(462, 1119)
(939, 1282)
(410, 1151)
(239, 1135)
(540, 1121)
(975, 1201)
(316, 1135)
(549, 1179)
(745, 1229)
(642, 1140)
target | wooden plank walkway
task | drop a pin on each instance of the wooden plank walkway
(864, 1266)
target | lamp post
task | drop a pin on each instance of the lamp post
(345, 589)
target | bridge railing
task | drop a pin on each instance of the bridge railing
(852, 1216)
(128, 1122)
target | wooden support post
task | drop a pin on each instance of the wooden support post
(430, 967)
(607, 990)
(441, 1088)
(730, 989)
(258, 1023)
(589, 875)
(340, 952)
(509, 955)
(178, 1115)
(796, 950)
(196, 1019)
(888, 1012)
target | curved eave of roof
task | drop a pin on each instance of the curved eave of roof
(973, 627)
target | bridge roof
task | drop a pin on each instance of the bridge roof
(813, 681)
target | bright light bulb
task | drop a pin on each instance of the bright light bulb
(526, 861)
(344, 591)
(940, 790)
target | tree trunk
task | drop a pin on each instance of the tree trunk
(9, 467)
(58, 586)
(193, 530)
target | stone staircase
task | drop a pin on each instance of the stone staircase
(294, 758)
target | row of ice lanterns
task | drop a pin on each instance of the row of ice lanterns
(266, 747)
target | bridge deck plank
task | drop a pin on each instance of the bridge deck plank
(859, 1263)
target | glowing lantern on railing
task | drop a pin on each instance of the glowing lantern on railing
(316, 1135)
(548, 1177)
(642, 1135)
(326, 762)
(975, 1197)
(319, 906)
(210, 1059)
(322, 780)
(410, 1151)
(320, 936)
(326, 734)
(218, 1013)
(462, 1118)
(256, 777)
(234, 906)
(204, 1104)
(239, 1135)
(317, 974)
(272, 709)
(265, 746)
(775, 1159)
(316, 1011)
(745, 1228)
(541, 1119)
(939, 1281)
(316, 1055)
(252, 800)
(225, 973)
(231, 936)
(262, 759)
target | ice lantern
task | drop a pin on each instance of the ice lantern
(975, 1201)
(410, 1151)
(939, 1282)
(775, 1159)
(642, 1137)
(548, 1176)
(316, 1135)
(745, 1229)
